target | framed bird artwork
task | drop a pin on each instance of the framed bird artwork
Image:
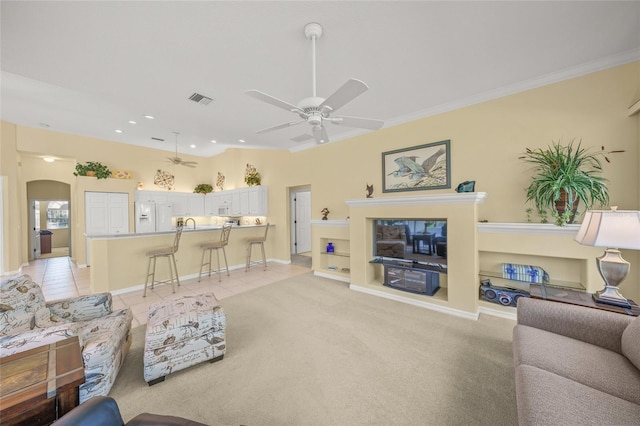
(417, 168)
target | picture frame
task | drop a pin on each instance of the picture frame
(417, 168)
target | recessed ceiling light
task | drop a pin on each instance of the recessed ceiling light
(118, 131)
(49, 159)
(150, 117)
(132, 122)
(241, 140)
(192, 146)
(213, 141)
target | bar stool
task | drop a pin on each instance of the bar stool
(250, 244)
(216, 245)
(169, 253)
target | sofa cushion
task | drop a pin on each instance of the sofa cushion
(591, 365)
(631, 342)
(546, 398)
(22, 305)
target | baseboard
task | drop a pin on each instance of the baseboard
(414, 302)
(331, 276)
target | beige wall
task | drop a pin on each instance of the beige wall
(486, 141)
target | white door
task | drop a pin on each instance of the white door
(34, 226)
(301, 222)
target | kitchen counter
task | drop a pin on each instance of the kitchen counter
(119, 262)
(198, 228)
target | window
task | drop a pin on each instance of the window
(58, 214)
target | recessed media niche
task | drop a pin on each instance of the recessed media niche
(413, 253)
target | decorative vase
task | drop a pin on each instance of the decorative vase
(563, 202)
(330, 248)
(91, 173)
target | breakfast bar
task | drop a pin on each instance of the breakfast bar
(119, 263)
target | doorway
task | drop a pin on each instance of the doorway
(49, 219)
(300, 213)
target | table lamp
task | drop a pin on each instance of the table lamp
(609, 229)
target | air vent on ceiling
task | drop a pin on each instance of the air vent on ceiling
(157, 139)
(201, 99)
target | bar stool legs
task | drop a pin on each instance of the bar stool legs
(173, 270)
(169, 253)
(251, 242)
(216, 245)
(217, 270)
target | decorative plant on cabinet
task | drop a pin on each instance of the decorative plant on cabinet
(251, 176)
(92, 168)
(203, 188)
(562, 176)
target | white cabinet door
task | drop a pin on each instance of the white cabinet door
(106, 213)
(244, 201)
(195, 204)
(211, 203)
(178, 201)
(118, 207)
(151, 197)
(235, 203)
(257, 201)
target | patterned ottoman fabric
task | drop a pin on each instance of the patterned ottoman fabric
(181, 333)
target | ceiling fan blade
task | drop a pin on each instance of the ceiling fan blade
(363, 123)
(302, 138)
(345, 94)
(320, 134)
(280, 126)
(273, 101)
(191, 164)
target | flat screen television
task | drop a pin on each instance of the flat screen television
(411, 241)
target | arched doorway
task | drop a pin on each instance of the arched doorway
(49, 219)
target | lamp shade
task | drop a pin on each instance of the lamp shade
(610, 228)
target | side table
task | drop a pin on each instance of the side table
(38, 386)
(576, 297)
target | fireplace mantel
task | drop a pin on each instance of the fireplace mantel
(420, 200)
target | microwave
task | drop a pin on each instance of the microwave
(223, 211)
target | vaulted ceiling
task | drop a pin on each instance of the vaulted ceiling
(89, 68)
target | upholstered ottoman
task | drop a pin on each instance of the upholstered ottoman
(181, 333)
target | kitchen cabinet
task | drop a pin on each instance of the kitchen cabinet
(257, 201)
(211, 204)
(187, 204)
(106, 213)
(157, 197)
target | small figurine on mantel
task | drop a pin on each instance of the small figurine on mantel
(325, 212)
(369, 191)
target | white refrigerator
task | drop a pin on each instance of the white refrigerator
(153, 217)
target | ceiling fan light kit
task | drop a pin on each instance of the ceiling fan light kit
(315, 110)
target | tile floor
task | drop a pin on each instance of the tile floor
(60, 278)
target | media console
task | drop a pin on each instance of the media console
(412, 276)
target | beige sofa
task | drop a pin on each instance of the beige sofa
(576, 365)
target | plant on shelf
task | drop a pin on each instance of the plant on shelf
(251, 176)
(203, 188)
(92, 168)
(562, 176)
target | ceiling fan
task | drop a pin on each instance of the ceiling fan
(179, 161)
(316, 110)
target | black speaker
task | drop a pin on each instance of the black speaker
(502, 295)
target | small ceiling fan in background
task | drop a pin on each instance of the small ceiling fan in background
(316, 110)
(179, 161)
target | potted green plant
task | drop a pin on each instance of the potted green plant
(562, 176)
(92, 168)
(203, 188)
(251, 176)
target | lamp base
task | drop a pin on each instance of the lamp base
(610, 296)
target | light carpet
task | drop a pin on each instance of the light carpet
(309, 351)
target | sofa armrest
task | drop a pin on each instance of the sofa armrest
(594, 326)
(83, 308)
(96, 411)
